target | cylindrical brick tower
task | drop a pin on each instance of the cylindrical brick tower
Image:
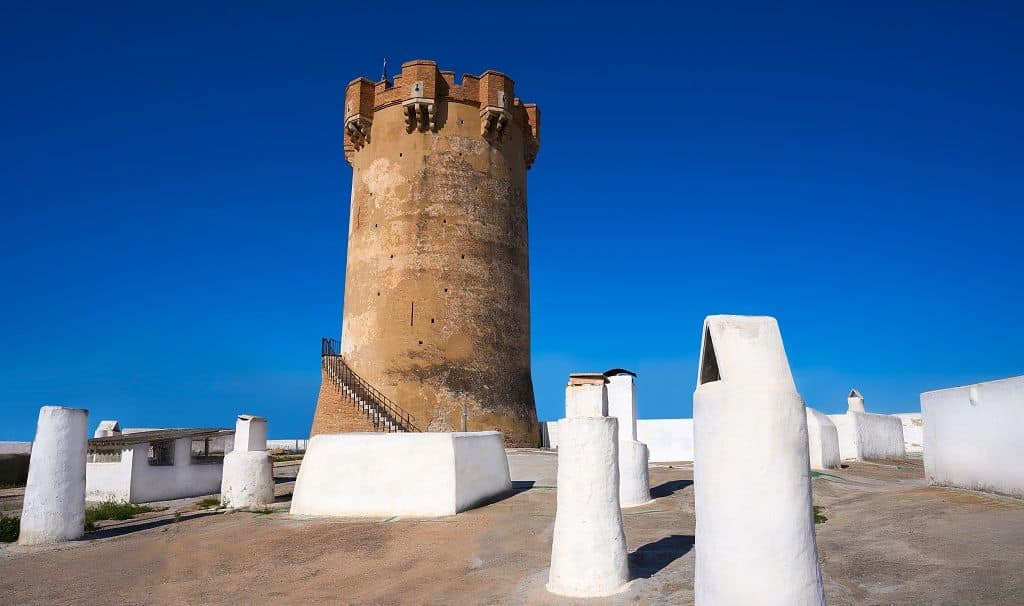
(437, 289)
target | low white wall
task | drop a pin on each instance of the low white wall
(668, 440)
(178, 481)
(913, 430)
(15, 447)
(879, 436)
(974, 436)
(111, 481)
(411, 474)
(294, 445)
(865, 435)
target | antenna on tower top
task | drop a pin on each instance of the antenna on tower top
(384, 75)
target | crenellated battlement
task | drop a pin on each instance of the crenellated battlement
(421, 88)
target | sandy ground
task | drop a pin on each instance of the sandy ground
(889, 539)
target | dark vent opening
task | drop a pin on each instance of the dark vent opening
(709, 361)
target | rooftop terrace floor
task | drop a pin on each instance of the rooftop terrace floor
(889, 539)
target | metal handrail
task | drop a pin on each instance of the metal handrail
(343, 374)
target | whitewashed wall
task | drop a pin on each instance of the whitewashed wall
(165, 482)
(864, 435)
(667, 439)
(111, 481)
(974, 436)
(293, 445)
(15, 447)
(913, 430)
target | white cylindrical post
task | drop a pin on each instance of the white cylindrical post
(248, 478)
(755, 529)
(54, 505)
(588, 550)
(634, 478)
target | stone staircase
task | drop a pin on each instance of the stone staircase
(383, 413)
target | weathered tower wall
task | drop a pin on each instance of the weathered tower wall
(437, 290)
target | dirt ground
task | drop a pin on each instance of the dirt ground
(889, 539)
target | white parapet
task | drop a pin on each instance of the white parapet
(248, 478)
(409, 474)
(974, 436)
(54, 504)
(588, 549)
(754, 532)
(865, 435)
(822, 440)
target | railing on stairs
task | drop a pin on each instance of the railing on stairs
(382, 412)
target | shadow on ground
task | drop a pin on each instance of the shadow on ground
(668, 488)
(130, 526)
(651, 558)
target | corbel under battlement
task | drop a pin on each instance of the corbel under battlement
(421, 88)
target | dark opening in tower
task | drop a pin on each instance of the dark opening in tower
(708, 360)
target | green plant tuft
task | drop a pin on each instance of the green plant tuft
(9, 528)
(112, 510)
(818, 517)
(209, 503)
(280, 458)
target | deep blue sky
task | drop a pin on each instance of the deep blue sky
(174, 195)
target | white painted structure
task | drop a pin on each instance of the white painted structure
(855, 401)
(667, 440)
(294, 445)
(156, 465)
(974, 436)
(588, 549)
(622, 401)
(864, 435)
(15, 447)
(54, 506)
(671, 440)
(428, 474)
(822, 440)
(248, 479)
(755, 533)
(913, 430)
(634, 477)
(107, 428)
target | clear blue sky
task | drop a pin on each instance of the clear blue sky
(174, 195)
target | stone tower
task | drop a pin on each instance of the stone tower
(437, 289)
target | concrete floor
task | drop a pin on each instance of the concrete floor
(889, 539)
